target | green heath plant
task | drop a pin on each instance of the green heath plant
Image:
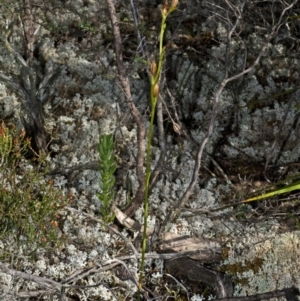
(29, 203)
(108, 167)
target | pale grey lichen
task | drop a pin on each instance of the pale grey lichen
(255, 115)
(261, 260)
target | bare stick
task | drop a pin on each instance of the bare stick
(124, 80)
(51, 284)
(43, 281)
(238, 14)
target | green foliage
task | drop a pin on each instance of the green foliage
(6, 144)
(87, 26)
(29, 205)
(107, 168)
(287, 185)
(54, 28)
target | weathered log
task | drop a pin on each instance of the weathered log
(189, 267)
(193, 271)
(201, 249)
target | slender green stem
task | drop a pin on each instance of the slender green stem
(162, 31)
(146, 201)
(154, 92)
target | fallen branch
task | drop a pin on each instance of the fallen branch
(289, 293)
(202, 249)
(141, 131)
(43, 281)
